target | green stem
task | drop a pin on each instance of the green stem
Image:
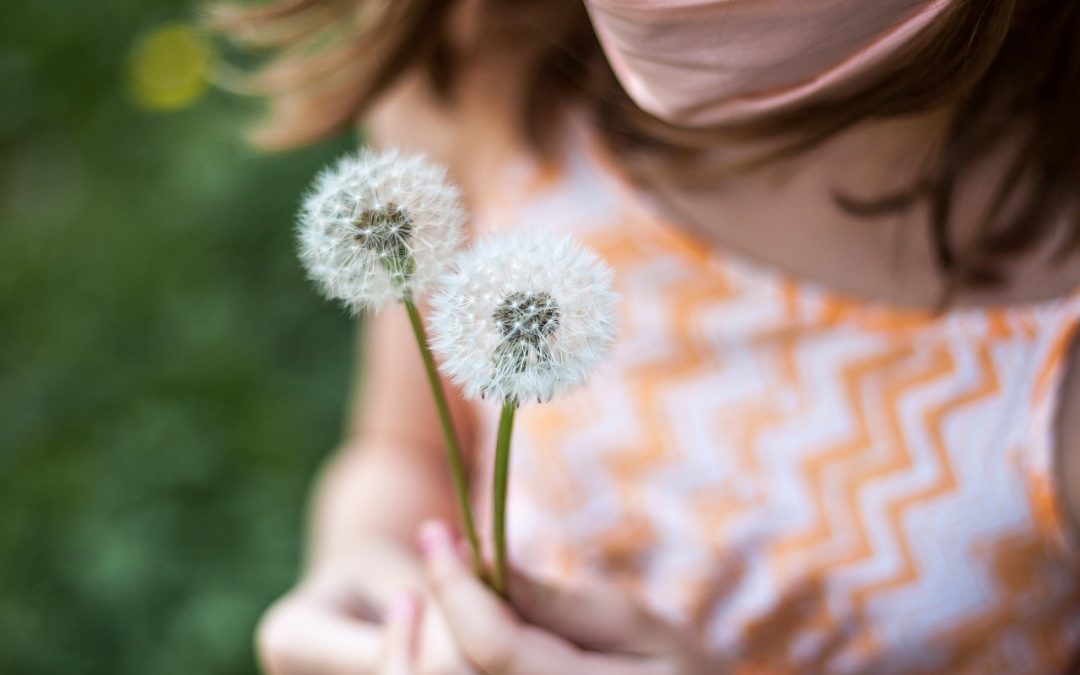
(453, 450)
(502, 470)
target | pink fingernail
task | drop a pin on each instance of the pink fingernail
(434, 538)
(402, 608)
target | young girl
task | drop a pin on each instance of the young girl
(839, 432)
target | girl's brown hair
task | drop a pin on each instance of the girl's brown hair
(1008, 69)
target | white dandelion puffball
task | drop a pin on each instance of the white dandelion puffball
(523, 316)
(379, 226)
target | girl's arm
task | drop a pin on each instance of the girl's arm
(391, 472)
(1068, 435)
(388, 476)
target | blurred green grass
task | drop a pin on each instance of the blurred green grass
(168, 381)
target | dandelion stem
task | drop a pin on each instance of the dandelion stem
(498, 521)
(453, 450)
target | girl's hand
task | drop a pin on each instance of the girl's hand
(598, 631)
(343, 619)
(401, 636)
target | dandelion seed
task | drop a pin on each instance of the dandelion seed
(377, 227)
(523, 316)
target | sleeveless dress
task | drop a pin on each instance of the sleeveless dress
(814, 484)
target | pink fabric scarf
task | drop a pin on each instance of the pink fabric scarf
(705, 62)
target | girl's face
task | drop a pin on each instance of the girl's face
(704, 62)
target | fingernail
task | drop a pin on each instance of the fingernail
(434, 538)
(402, 608)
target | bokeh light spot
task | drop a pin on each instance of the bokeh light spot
(169, 67)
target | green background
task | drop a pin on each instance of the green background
(168, 380)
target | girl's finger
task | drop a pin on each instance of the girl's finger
(400, 635)
(438, 651)
(601, 617)
(490, 634)
(300, 636)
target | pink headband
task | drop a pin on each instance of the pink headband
(705, 62)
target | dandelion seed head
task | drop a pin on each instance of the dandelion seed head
(531, 318)
(377, 226)
(523, 316)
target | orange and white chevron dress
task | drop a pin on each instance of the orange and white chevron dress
(817, 485)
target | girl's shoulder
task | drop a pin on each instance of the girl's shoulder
(472, 131)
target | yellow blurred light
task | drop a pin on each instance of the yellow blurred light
(168, 67)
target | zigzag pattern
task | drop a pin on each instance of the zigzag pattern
(818, 484)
